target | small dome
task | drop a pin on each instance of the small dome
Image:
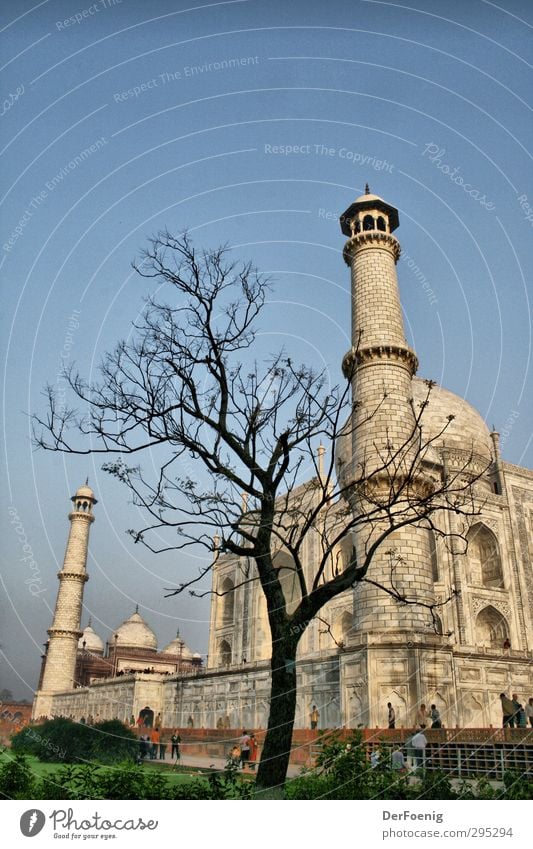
(135, 633)
(92, 641)
(178, 647)
(84, 492)
(369, 197)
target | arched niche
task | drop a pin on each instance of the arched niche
(484, 557)
(342, 627)
(224, 653)
(227, 602)
(288, 578)
(491, 628)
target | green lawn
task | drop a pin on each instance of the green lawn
(43, 768)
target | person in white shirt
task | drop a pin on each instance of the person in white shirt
(418, 744)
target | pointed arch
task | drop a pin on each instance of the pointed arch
(484, 557)
(224, 653)
(342, 627)
(227, 602)
(288, 579)
(491, 628)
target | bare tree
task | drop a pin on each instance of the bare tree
(187, 384)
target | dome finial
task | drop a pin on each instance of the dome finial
(367, 189)
(136, 608)
(87, 481)
(90, 622)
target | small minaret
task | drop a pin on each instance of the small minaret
(60, 661)
(381, 366)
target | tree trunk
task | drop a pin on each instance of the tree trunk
(277, 747)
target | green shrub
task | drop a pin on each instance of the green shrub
(16, 778)
(64, 741)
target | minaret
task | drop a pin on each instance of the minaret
(60, 661)
(381, 365)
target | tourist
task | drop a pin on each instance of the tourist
(144, 748)
(162, 749)
(398, 759)
(507, 644)
(391, 716)
(519, 713)
(418, 745)
(190, 722)
(374, 759)
(314, 717)
(244, 746)
(175, 741)
(155, 738)
(421, 716)
(253, 752)
(529, 711)
(507, 711)
(435, 717)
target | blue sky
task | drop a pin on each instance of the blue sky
(254, 123)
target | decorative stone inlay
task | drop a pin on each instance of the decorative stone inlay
(371, 238)
(63, 632)
(363, 356)
(478, 602)
(76, 576)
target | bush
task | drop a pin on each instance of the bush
(127, 781)
(16, 779)
(64, 741)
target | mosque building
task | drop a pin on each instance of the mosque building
(375, 650)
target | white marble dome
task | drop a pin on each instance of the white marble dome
(92, 641)
(135, 633)
(84, 492)
(467, 431)
(178, 647)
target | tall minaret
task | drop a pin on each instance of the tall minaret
(381, 365)
(60, 661)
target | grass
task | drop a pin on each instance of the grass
(174, 777)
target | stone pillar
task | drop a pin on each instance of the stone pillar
(60, 663)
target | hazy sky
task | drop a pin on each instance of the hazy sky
(253, 122)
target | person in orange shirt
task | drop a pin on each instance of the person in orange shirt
(155, 737)
(253, 752)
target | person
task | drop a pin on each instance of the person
(435, 717)
(143, 746)
(154, 737)
(175, 741)
(190, 722)
(518, 713)
(397, 759)
(421, 716)
(314, 717)
(244, 746)
(391, 716)
(162, 749)
(517, 707)
(529, 711)
(374, 758)
(507, 643)
(253, 752)
(507, 711)
(418, 745)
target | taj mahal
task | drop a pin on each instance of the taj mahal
(375, 651)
